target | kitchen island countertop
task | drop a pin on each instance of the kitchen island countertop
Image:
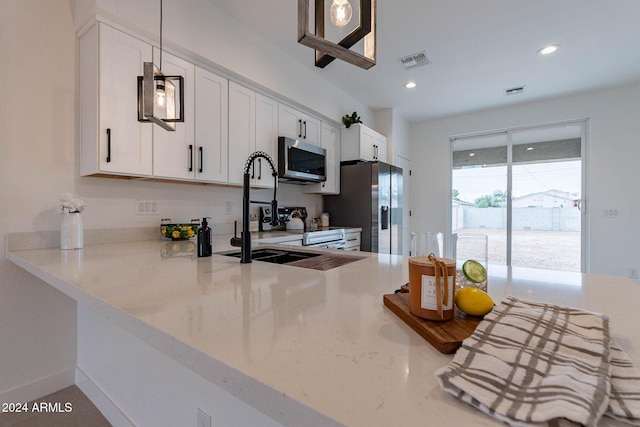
(329, 352)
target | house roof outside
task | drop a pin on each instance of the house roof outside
(549, 198)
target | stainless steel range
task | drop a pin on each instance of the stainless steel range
(332, 238)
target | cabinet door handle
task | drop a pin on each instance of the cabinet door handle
(201, 150)
(190, 158)
(108, 145)
(253, 170)
(299, 128)
(259, 168)
(305, 129)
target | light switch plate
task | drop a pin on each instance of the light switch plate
(146, 207)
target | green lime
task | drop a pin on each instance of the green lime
(474, 271)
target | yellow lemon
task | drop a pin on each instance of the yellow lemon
(474, 301)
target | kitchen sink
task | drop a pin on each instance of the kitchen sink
(276, 256)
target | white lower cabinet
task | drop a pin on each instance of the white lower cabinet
(330, 137)
(353, 240)
(112, 140)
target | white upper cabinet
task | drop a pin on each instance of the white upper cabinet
(295, 124)
(380, 147)
(224, 122)
(266, 139)
(113, 141)
(253, 126)
(359, 142)
(242, 124)
(330, 137)
(174, 152)
(211, 162)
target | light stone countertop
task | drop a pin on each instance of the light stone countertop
(321, 340)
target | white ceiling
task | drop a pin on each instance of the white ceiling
(478, 48)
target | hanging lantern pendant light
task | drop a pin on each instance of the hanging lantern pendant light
(160, 97)
(340, 13)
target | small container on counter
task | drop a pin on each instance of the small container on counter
(204, 239)
(431, 287)
(253, 222)
(324, 219)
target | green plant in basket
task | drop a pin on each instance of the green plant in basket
(179, 231)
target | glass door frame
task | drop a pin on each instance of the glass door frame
(583, 206)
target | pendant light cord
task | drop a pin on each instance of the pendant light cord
(160, 34)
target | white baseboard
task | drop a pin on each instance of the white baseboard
(39, 388)
(106, 406)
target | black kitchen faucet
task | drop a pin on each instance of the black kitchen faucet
(244, 241)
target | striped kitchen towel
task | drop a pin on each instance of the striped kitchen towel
(534, 364)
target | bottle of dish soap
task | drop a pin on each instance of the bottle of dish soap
(204, 239)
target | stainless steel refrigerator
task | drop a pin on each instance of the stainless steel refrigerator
(371, 198)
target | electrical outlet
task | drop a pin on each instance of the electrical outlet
(229, 208)
(146, 207)
(611, 213)
(633, 273)
(204, 420)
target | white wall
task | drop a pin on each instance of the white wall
(613, 172)
(37, 140)
(392, 125)
(39, 159)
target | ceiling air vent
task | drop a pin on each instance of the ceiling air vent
(416, 60)
(514, 90)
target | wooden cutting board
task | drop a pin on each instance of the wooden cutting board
(445, 336)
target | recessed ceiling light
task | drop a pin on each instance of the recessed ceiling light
(549, 49)
(472, 154)
(410, 85)
(529, 148)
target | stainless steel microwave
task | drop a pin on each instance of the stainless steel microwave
(300, 161)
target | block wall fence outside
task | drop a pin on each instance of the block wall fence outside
(536, 219)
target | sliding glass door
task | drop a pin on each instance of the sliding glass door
(523, 189)
(479, 205)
